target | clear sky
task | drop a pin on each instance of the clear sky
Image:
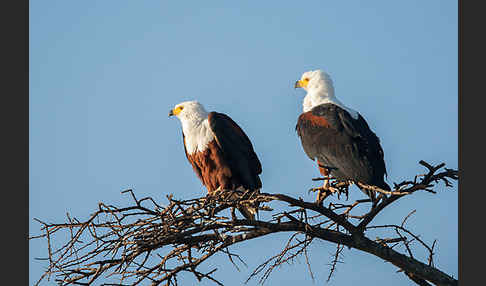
(104, 74)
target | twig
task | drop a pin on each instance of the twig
(118, 241)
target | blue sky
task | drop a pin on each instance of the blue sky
(104, 74)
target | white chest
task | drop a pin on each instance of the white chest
(197, 135)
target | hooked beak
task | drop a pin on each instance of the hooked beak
(171, 112)
(298, 84)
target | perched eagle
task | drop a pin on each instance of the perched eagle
(219, 151)
(338, 137)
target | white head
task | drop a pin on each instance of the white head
(320, 90)
(316, 81)
(189, 111)
(194, 119)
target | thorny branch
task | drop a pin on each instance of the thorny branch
(149, 243)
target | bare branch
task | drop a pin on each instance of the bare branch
(149, 243)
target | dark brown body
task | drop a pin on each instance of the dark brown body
(343, 144)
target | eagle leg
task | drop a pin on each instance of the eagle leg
(326, 189)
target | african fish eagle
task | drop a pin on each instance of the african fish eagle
(338, 137)
(219, 151)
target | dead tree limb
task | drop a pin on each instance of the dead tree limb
(149, 243)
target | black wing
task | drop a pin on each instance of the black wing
(237, 150)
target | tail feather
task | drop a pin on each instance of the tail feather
(384, 186)
(249, 211)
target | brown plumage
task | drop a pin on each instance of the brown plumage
(220, 153)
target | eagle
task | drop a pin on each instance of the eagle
(220, 153)
(338, 138)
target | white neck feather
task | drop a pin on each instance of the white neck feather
(324, 94)
(197, 131)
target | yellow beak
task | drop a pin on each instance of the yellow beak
(301, 83)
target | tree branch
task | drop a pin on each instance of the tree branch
(148, 243)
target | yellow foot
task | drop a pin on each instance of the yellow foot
(323, 192)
